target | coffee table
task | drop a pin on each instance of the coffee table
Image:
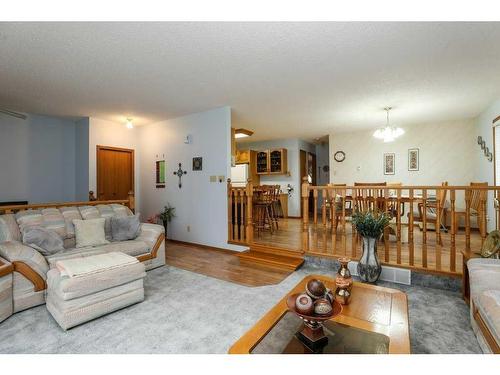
(375, 321)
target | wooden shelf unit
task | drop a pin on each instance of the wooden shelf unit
(272, 161)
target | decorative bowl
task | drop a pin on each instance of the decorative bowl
(312, 332)
(336, 310)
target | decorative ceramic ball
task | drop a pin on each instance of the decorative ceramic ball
(315, 289)
(330, 296)
(304, 304)
(322, 307)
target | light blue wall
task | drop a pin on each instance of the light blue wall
(38, 159)
(82, 160)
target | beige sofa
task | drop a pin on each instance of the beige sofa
(484, 280)
(29, 278)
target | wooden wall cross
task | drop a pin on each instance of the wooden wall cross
(179, 173)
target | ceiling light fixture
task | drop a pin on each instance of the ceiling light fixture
(242, 133)
(129, 124)
(388, 133)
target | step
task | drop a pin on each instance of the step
(276, 251)
(280, 261)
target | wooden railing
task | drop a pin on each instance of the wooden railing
(240, 218)
(130, 203)
(328, 232)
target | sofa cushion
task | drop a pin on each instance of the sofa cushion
(107, 212)
(70, 214)
(29, 218)
(484, 274)
(9, 230)
(54, 220)
(488, 304)
(89, 212)
(80, 252)
(125, 228)
(46, 241)
(90, 232)
(121, 210)
(132, 247)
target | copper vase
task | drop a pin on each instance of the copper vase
(343, 282)
(344, 277)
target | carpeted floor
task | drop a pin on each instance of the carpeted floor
(186, 312)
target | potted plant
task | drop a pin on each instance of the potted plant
(370, 225)
(166, 215)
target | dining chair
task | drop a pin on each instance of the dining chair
(339, 203)
(368, 198)
(431, 210)
(476, 208)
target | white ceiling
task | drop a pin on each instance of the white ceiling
(281, 79)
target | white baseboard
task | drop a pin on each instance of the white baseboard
(391, 274)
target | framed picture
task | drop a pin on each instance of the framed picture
(160, 174)
(197, 164)
(413, 163)
(389, 163)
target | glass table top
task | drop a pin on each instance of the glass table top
(342, 339)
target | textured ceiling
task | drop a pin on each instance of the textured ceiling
(281, 79)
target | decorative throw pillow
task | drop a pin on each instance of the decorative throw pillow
(125, 228)
(9, 230)
(46, 241)
(90, 232)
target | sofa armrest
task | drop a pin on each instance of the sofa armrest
(25, 259)
(6, 267)
(150, 233)
(154, 236)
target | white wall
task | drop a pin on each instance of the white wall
(447, 153)
(484, 168)
(108, 133)
(38, 160)
(200, 204)
(293, 147)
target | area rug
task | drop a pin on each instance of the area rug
(186, 312)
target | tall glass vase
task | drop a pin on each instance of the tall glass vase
(369, 267)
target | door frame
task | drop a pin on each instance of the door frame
(112, 148)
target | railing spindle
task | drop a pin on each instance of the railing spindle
(468, 197)
(424, 228)
(453, 232)
(324, 197)
(398, 226)
(343, 222)
(484, 223)
(411, 244)
(386, 231)
(315, 206)
(305, 215)
(230, 213)
(437, 229)
(353, 231)
(333, 219)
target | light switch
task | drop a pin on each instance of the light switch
(222, 178)
(213, 178)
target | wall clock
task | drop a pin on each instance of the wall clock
(339, 156)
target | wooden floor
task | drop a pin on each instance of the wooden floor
(223, 265)
(321, 242)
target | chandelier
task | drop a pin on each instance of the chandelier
(388, 133)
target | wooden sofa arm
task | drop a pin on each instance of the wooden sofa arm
(27, 261)
(495, 348)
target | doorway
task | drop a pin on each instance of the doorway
(115, 172)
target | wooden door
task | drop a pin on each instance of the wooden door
(115, 172)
